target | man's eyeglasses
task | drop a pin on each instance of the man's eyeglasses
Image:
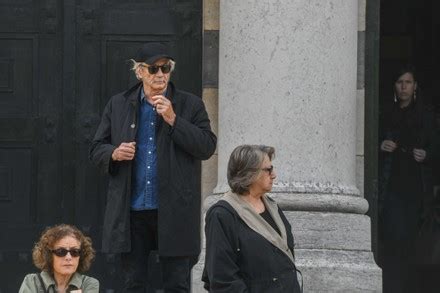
(61, 252)
(268, 169)
(153, 69)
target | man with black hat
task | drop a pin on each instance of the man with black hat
(150, 141)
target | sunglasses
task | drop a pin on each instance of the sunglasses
(61, 252)
(153, 69)
(268, 170)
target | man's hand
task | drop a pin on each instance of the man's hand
(164, 108)
(419, 155)
(388, 146)
(125, 152)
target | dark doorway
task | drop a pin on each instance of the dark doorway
(409, 33)
(60, 61)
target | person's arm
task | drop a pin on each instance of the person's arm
(222, 271)
(90, 285)
(388, 140)
(290, 238)
(432, 148)
(429, 153)
(101, 149)
(195, 136)
(388, 146)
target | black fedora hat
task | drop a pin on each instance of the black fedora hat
(151, 52)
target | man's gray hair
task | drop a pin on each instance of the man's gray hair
(244, 166)
(136, 66)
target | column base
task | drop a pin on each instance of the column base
(339, 271)
(333, 251)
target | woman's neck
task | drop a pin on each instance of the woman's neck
(255, 200)
(404, 104)
(62, 281)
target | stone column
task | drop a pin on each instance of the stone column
(287, 78)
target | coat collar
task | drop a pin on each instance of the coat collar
(258, 224)
(75, 282)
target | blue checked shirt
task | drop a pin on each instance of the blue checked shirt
(144, 183)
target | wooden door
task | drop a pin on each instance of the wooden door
(60, 61)
(32, 145)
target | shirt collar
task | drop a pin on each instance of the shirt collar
(142, 95)
(48, 280)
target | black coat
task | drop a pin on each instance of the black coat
(179, 151)
(239, 260)
(405, 185)
(419, 121)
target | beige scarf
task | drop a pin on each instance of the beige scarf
(258, 224)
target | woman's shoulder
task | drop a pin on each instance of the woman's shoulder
(90, 283)
(29, 284)
(222, 211)
(31, 276)
(90, 280)
(221, 207)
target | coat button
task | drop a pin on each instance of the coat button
(274, 279)
(133, 125)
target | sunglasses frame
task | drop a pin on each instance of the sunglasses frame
(153, 69)
(62, 252)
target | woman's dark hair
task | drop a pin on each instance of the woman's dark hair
(42, 255)
(406, 68)
(409, 68)
(244, 165)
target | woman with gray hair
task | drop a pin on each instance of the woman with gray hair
(249, 242)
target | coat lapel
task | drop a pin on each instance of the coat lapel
(131, 120)
(258, 224)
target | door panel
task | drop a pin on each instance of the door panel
(16, 66)
(60, 61)
(15, 184)
(30, 141)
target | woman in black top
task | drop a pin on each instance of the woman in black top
(407, 148)
(249, 243)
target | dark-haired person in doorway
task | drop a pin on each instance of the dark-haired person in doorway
(249, 242)
(150, 141)
(408, 146)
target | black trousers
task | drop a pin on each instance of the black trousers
(174, 271)
(401, 217)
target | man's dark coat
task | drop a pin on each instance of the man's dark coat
(179, 151)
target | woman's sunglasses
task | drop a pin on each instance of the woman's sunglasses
(61, 252)
(153, 69)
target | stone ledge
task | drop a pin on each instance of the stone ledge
(339, 271)
(316, 202)
(330, 231)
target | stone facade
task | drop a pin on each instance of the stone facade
(290, 75)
